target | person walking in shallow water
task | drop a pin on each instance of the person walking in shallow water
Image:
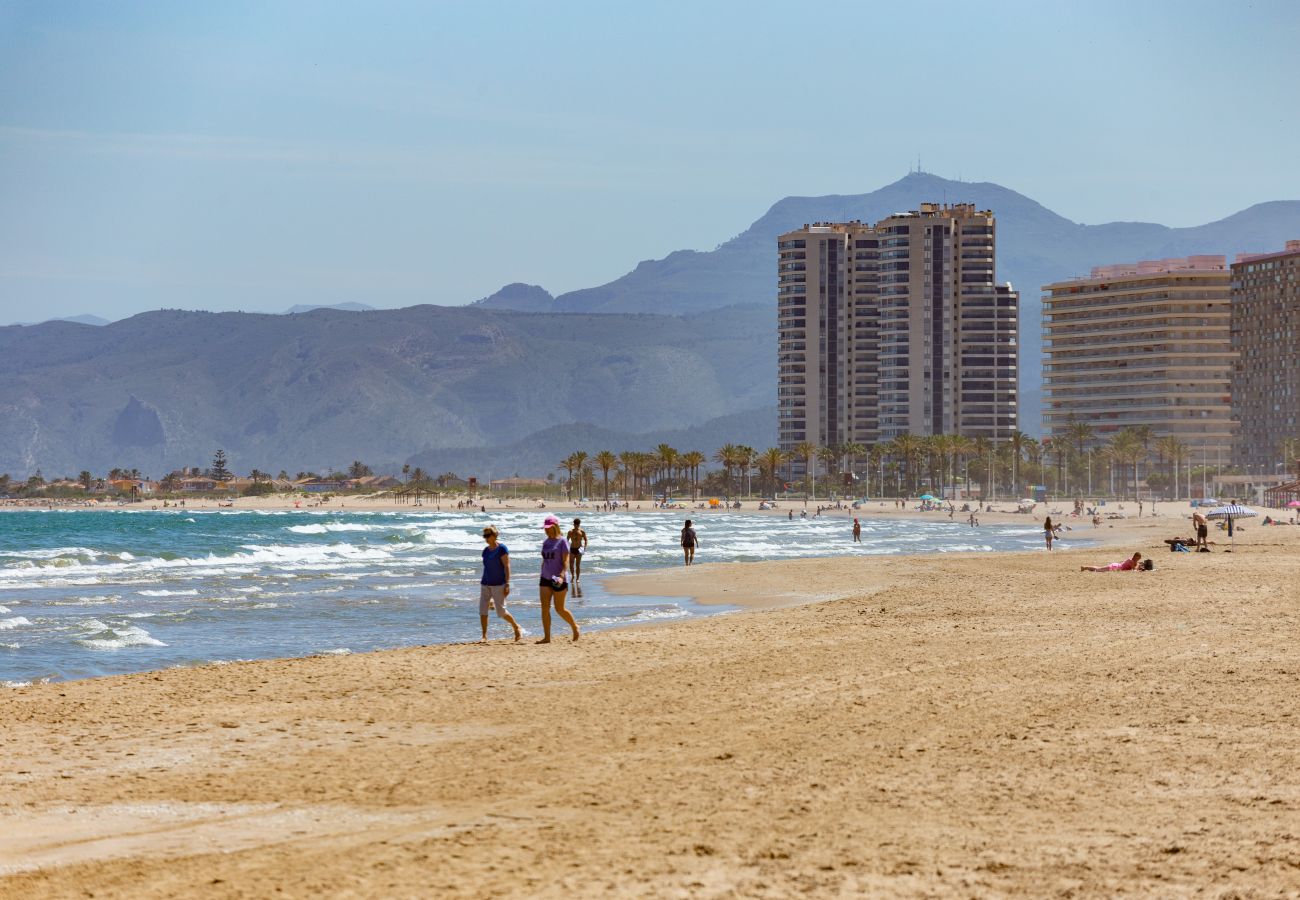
(689, 542)
(577, 540)
(494, 586)
(857, 532)
(553, 586)
(1048, 532)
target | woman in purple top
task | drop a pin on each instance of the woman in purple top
(555, 561)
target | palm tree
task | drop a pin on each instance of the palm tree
(982, 449)
(667, 463)
(1017, 443)
(830, 458)
(961, 446)
(907, 447)
(746, 459)
(875, 461)
(726, 455)
(1126, 449)
(1034, 452)
(567, 464)
(606, 460)
(580, 468)
(807, 451)
(692, 460)
(854, 451)
(769, 462)
(628, 460)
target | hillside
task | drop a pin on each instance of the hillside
(321, 388)
(1035, 246)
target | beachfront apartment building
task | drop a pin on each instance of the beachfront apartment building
(1142, 344)
(1266, 370)
(897, 327)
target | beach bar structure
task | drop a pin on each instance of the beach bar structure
(1144, 343)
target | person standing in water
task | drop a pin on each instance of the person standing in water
(577, 540)
(494, 586)
(553, 586)
(1048, 532)
(857, 531)
(689, 542)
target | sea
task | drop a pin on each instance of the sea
(86, 593)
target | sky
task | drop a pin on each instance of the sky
(258, 155)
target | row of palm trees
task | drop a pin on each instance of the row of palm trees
(903, 465)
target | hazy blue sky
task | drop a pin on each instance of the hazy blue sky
(254, 155)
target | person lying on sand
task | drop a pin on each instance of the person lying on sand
(1128, 565)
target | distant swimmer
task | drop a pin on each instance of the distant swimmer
(554, 586)
(689, 542)
(494, 586)
(857, 531)
(577, 546)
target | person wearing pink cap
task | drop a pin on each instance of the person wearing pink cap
(553, 585)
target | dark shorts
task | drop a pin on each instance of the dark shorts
(547, 583)
(1202, 531)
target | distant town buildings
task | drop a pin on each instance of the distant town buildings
(1266, 373)
(895, 328)
(1142, 344)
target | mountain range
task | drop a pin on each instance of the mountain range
(318, 389)
(1035, 246)
(680, 349)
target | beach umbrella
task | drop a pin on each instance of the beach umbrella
(927, 496)
(1230, 512)
(1294, 504)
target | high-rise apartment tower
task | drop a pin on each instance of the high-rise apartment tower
(895, 328)
(1142, 344)
(1266, 374)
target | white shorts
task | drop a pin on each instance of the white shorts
(491, 594)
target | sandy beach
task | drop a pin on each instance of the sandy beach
(942, 725)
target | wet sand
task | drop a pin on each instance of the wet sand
(965, 725)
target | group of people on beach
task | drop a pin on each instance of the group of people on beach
(559, 562)
(561, 566)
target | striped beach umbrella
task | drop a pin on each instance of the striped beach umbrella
(1230, 512)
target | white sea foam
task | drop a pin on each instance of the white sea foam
(161, 593)
(52, 553)
(338, 651)
(330, 527)
(104, 637)
(5, 609)
(15, 622)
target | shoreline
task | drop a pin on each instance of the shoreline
(967, 724)
(692, 587)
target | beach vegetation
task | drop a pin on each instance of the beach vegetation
(219, 472)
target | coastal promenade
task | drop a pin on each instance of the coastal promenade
(940, 725)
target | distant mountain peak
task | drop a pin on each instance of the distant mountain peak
(344, 307)
(521, 297)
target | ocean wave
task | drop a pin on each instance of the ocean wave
(330, 527)
(282, 556)
(15, 622)
(165, 593)
(5, 609)
(106, 637)
(51, 553)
